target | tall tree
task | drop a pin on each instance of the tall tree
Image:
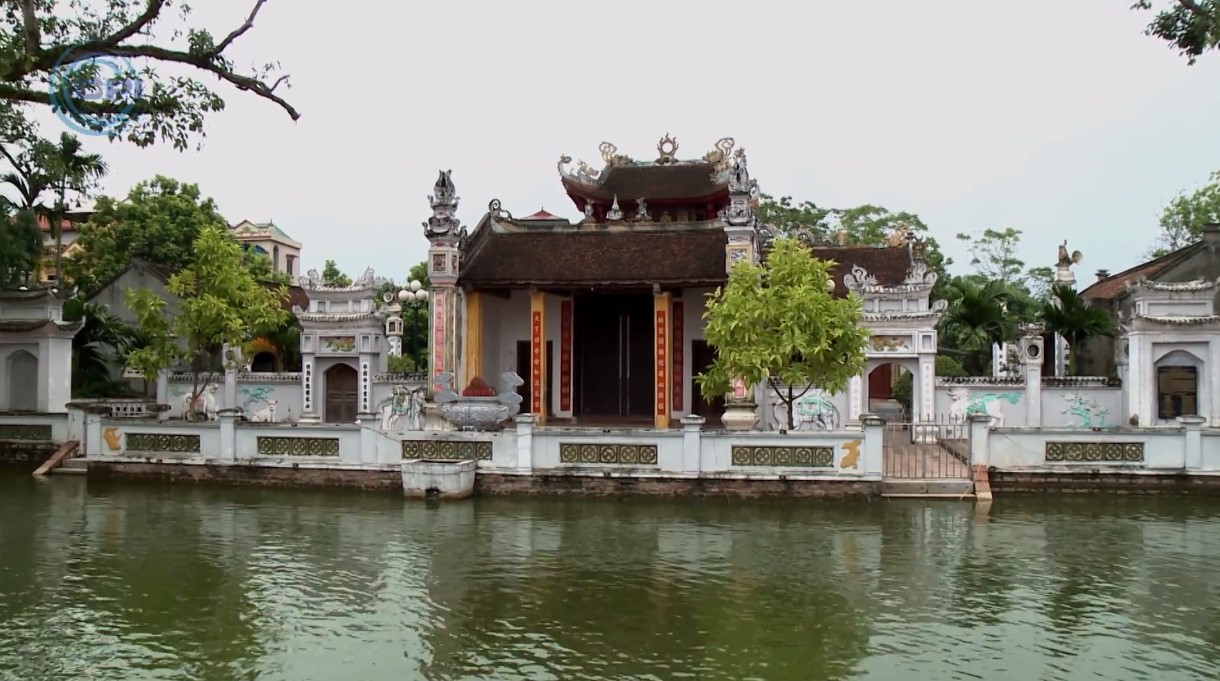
(866, 225)
(332, 276)
(1183, 220)
(221, 305)
(20, 246)
(68, 168)
(1190, 26)
(42, 35)
(102, 338)
(1071, 316)
(159, 221)
(976, 319)
(779, 322)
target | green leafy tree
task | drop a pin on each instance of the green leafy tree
(780, 322)
(1069, 315)
(865, 225)
(159, 222)
(1183, 220)
(977, 318)
(1190, 26)
(170, 107)
(20, 246)
(221, 305)
(332, 276)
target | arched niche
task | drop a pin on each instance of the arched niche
(1180, 384)
(22, 388)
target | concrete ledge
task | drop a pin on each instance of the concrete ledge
(1122, 482)
(388, 479)
(588, 485)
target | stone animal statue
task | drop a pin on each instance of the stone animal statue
(266, 414)
(204, 403)
(990, 404)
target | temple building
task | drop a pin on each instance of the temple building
(271, 241)
(603, 317)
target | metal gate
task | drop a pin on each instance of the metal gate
(926, 450)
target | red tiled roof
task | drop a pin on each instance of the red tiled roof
(542, 214)
(1114, 286)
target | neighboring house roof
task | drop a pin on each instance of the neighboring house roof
(1115, 286)
(257, 231)
(296, 295)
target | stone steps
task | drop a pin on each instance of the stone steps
(936, 489)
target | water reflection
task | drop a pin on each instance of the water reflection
(133, 582)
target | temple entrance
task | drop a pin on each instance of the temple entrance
(613, 337)
(342, 385)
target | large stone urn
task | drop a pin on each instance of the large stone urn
(479, 412)
(740, 415)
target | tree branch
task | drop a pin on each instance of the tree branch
(29, 26)
(138, 107)
(239, 30)
(151, 12)
(254, 85)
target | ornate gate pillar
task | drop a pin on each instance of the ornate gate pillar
(444, 232)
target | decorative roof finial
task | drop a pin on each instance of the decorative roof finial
(641, 211)
(444, 202)
(667, 148)
(615, 213)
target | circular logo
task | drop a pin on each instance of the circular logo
(94, 93)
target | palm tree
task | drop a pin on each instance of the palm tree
(976, 319)
(1072, 317)
(69, 169)
(103, 338)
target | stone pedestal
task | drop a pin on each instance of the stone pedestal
(228, 434)
(692, 436)
(525, 441)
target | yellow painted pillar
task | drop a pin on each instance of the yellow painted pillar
(472, 344)
(662, 380)
(538, 377)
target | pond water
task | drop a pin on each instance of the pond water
(134, 582)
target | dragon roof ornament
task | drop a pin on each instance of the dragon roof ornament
(369, 281)
(720, 157)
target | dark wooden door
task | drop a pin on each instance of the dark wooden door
(342, 388)
(523, 370)
(614, 355)
(701, 357)
(881, 382)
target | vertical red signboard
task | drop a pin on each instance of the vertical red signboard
(438, 338)
(662, 365)
(565, 355)
(676, 373)
(536, 362)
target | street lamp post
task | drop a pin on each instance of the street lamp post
(414, 297)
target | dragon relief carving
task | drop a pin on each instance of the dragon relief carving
(720, 155)
(900, 236)
(611, 156)
(858, 278)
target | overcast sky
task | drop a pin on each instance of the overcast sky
(1059, 118)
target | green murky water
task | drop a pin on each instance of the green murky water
(132, 582)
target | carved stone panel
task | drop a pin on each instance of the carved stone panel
(20, 431)
(1094, 452)
(162, 442)
(298, 446)
(447, 450)
(597, 453)
(799, 457)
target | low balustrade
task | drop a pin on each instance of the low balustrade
(1081, 382)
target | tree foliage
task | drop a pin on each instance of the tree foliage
(1183, 220)
(220, 304)
(866, 225)
(38, 34)
(1069, 315)
(779, 322)
(1190, 26)
(977, 317)
(20, 246)
(333, 276)
(159, 221)
(102, 341)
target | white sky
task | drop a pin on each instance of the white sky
(1059, 118)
